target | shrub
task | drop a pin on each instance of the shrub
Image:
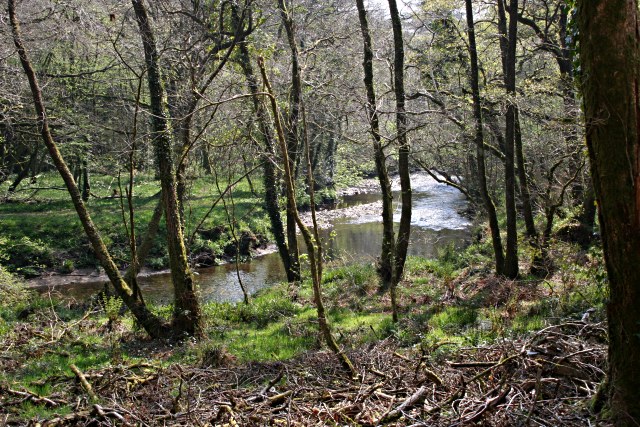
(14, 296)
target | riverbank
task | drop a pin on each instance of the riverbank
(350, 231)
(41, 234)
(325, 217)
(464, 335)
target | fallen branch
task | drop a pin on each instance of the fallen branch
(262, 395)
(489, 404)
(472, 364)
(84, 382)
(279, 398)
(34, 398)
(409, 403)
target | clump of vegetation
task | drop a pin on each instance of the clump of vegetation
(14, 297)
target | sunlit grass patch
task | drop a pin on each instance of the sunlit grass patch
(277, 341)
(454, 318)
(355, 329)
(523, 324)
(47, 218)
(29, 410)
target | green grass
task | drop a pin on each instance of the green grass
(280, 323)
(276, 341)
(29, 411)
(40, 228)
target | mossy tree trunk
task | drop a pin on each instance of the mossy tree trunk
(292, 132)
(154, 325)
(187, 315)
(386, 265)
(610, 78)
(404, 230)
(270, 177)
(479, 141)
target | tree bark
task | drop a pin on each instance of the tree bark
(386, 264)
(404, 230)
(510, 269)
(311, 241)
(609, 55)
(292, 131)
(154, 325)
(479, 141)
(86, 185)
(186, 315)
(270, 178)
(523, 181)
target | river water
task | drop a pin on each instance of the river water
(436, 222)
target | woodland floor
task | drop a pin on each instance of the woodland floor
(544, 380)
(470, 349)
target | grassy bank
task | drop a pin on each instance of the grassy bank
(40, 228)
(452, 308)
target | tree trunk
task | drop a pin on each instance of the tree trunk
(147, 242)
(270, 178)
(183, 161)
(86, 185)
(523, 180)
(25, 168)
(386, 264)
(402, 243)
(312, 242)
(479, 141)
(609, 55)
(292, 131)
(154, 325)
(186, 315)
(508, 39)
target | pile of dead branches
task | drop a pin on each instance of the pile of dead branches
(545, 380)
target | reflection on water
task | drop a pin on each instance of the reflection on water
(436, 222)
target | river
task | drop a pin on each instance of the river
(352, 234)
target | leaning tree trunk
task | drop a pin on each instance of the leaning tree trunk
(292, 131)
(385, 267)
(609, 57)
(312, 241)
(479, 141)
(154, 325)
(186, 315)
(402, 243)
(270, 179)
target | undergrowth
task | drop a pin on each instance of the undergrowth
(446, 303)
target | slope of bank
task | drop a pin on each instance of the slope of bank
(469, 348)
